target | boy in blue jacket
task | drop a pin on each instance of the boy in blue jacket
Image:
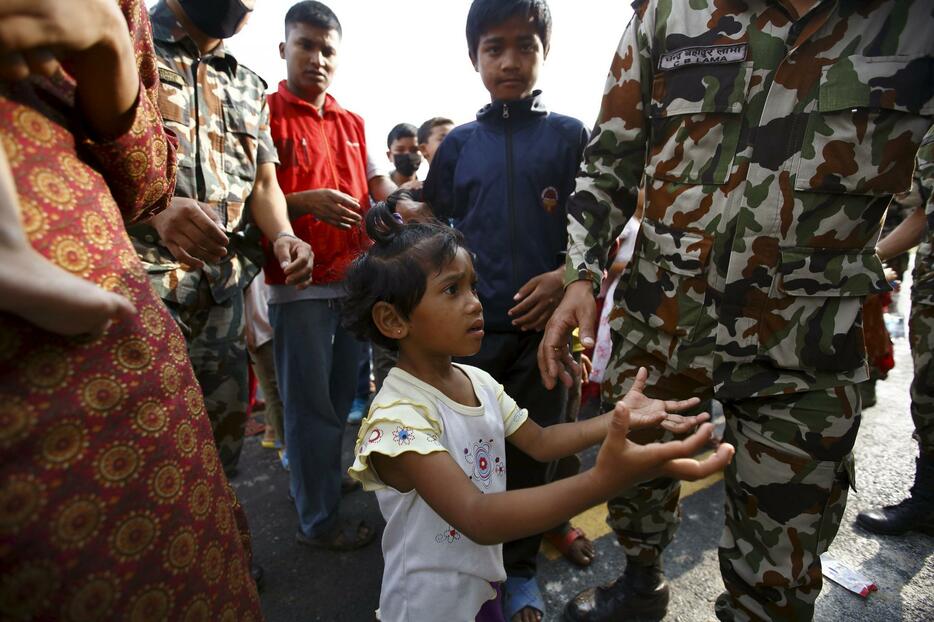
(503, 181)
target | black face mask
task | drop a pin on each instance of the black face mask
(407, 163)
(216, 18)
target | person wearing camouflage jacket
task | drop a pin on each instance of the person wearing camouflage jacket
(916, 512)
(771, 135)
(204, 250)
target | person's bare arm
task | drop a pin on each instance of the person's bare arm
(380, 187)
(904, 237)
(500, 517)
(268, 208)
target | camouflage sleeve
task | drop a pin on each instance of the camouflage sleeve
(609, 179)
(265, 148)
(924, 175)
(140, 165)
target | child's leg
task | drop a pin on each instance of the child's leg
(39, 291)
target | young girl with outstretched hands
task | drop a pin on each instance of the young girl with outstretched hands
(432, 446)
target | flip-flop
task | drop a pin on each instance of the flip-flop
(563, 541)
(520, 593)
(347, 536)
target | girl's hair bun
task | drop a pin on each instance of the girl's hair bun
(383, 224)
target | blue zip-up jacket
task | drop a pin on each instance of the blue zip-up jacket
(504, 180)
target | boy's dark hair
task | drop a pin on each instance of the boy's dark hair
(394, 270)
(313, 13)
(403, 130)
(424, 130)
(486, 14)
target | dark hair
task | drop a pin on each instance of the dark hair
(404, 194)
(403, 130)
(394, 270)
(312, 13)
(424, 130)
(486, 14)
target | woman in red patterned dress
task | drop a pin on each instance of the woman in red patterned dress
(112, 501)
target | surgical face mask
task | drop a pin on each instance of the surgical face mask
(406, 163)
(217, 18)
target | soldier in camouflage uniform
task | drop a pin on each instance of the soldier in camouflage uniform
(202, 252)
(917, 511)
(772, 135)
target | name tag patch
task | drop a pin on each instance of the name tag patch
(167, 75)
(706, 55)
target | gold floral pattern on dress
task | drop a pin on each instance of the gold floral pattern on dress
(71, 255)
(133, 535)
(21, 498)
(35, 224)
(182, 550)
(213, 563)
(75, 171)
(151, 603)
(52, 188)
(132, 354)
(197, 611)
(150, 418)
(77, 521)
(209, 457)
(185, 438)
(34, 126)
(113, 283)
(170, 379)
(47, 368)
(195, 400)
(117, 464)
(96, 230)
(17, 419)
(63, 444)
(102, 394)
(29, 588)
(200, 500)
(166, 483)
(93, 599)
(154, 321)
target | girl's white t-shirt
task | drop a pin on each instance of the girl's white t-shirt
(433, 572)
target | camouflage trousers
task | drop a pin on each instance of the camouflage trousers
(921, 334)
(216, 338)
(786, 490)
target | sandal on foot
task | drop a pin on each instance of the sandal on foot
(347, 536)
(564, 541)
(522, 593)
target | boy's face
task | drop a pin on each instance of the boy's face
(434, 140)
(402, 146)
(509, 57)
(448, 320)
(310, 55)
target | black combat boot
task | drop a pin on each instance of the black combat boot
(916, 513)
(641, 593)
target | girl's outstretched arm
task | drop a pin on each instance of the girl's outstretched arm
(500, 517)
(557, 441)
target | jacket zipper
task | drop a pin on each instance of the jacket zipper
(510, 197)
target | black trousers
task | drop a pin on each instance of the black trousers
(511, 358)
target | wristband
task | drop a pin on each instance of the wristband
(286, 234)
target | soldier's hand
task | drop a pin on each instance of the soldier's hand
(296, 258)
(622, 463)
(537, 300)
(190, 231)
(577, 309)
(331, 206)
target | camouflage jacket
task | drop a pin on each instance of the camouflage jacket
(922, 289)
(770, 147)
(217, 109)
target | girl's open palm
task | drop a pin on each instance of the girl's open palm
(646, 412)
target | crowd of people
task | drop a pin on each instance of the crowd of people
(166, 225)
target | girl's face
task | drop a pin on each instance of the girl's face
(448, 320)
